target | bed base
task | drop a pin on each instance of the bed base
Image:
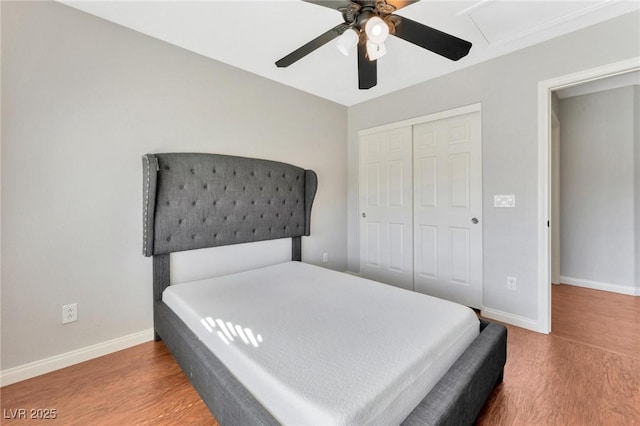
(455, 400)
(462, 392)
(228, 400)
(187, 198)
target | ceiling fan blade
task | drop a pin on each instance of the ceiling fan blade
(443, 44)
(399, 4)
(367, 70)
(341, 4)
(331, 4)
(317, 42)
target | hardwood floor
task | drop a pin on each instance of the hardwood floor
(142, 385)
(550, 380)
(587, 372)
(555, 379)
(605, 320)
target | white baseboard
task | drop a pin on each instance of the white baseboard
(508, 318)
(597, 285)
(47, 365)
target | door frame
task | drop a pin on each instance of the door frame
(545, 88)
(555, 197)
(422, 119)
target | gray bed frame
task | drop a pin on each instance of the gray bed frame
(193, 201)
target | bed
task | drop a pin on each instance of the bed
(282, 344)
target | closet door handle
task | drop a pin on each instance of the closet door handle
(364, 214)
(474, 220)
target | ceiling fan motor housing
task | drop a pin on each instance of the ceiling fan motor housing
(357, 13)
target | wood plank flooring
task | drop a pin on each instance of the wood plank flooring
(550, 380)
(142, 385)
(598, 318)
(555, 379)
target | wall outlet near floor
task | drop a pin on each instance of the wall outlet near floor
(69, 313)
(325, 257)
(511, 283)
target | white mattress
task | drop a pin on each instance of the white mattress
(326, 347)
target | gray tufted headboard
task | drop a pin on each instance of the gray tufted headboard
(194, 201)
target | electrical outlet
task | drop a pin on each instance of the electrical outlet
(69, 313)
(325, 257)
(511, 283)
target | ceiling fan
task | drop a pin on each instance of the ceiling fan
(367, 23)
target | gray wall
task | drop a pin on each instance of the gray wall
(82, 100)
(507, 89)
(598, 186)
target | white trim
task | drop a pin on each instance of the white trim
(597, 285)
(554, 22)
(56, 362)
(423, 119)
(544, 270)
(609, 83)
(544, 140)
(554, 195)
(506, 317)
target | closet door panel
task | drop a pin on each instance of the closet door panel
(448, 193)
(386, 207)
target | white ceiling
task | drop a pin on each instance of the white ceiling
(252, 35)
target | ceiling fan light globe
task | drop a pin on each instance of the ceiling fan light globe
(376, 30)
(375, 51)
(347, 42)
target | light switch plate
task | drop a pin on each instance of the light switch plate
(504, 200)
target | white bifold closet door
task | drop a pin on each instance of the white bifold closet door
(421, 207)
(448, 209)
(386, 226)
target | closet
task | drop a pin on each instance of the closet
(420, 202)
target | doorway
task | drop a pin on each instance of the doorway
(545, 173)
